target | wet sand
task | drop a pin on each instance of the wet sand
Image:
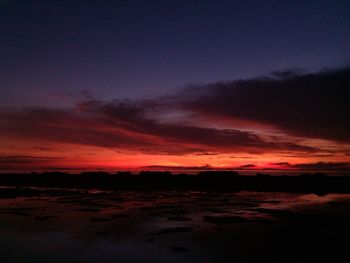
(88, 225)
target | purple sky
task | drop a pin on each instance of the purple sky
(51, 51)
(132, 84)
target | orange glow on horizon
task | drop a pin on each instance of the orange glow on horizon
(59, 156)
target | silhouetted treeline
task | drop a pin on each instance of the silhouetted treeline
(203, 181)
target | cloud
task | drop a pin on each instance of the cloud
(316, 165)
(178, 168)
(306, 105)
(26, 159)
(10, 162)
(247, 166)
(324, 166)
(303, 105)
(129, 125)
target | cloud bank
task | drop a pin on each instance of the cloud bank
(307, 105)
(218, 118)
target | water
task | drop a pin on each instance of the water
(60, 225)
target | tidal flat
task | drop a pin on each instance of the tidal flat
(91, 225)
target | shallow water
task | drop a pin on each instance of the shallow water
(60, 225)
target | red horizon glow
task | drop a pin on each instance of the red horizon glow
(62, 156)
(221, 130)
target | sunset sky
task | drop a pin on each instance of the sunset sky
(190, 84)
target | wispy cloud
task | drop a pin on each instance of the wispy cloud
(295, 107)
(316, 166)
(126, 125)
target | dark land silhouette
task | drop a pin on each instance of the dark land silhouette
(204, 180)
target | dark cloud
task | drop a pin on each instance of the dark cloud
(324, 166)
(84, 128)
(179, 168)
(281, 163)
(135, 117)
(24, 159)
(247, 166)
(127, 125)
(308, 105)
(316, 166)
(240, 157)
(46, 149)
(206, 154)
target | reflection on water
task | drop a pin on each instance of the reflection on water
(60, 225)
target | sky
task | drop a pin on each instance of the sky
(174, 84)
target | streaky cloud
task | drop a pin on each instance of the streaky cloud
(313, 105)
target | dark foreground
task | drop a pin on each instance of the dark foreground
(221, 181)
(41, 224)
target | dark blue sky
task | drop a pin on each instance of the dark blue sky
(52, 50)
